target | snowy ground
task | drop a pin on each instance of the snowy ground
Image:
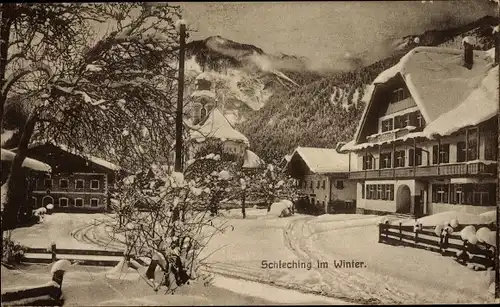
(397, 275)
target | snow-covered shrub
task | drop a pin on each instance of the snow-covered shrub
(448, 230)
(12, 252)
(383, 220)
(50, 207)
(467, 232)
(472, 238)
(279, 209)
(454, 223)
(487, 236)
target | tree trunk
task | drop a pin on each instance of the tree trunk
(7, 12)
(16, 185)
(243, 204)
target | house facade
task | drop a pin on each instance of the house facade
(78, 183)
(321, 175)
(427, 141)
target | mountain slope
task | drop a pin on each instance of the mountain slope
(327, 111)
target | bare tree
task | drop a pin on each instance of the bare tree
(111, 92)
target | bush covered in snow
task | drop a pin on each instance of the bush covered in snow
(12, 252)
(280, 209)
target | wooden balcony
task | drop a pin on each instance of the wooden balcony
(443, 170)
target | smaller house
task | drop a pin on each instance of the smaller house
(322, 177)
(78, 182)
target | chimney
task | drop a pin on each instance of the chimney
(468, 53)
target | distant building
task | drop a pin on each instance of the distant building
(427, 140)
(322, 177)
(78, 182)
(210, 127)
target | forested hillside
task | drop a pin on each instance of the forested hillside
(311, 116)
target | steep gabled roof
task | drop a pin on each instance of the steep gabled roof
(436, 79)
(323, 160)
(93, 159)
(217, 126)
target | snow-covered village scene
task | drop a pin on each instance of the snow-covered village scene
(324, 153)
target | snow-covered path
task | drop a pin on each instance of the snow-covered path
(391, 275)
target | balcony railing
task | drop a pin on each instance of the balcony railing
(442, 170)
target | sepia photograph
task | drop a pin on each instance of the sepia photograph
(250, 153)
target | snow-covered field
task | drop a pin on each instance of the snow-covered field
(389, 274)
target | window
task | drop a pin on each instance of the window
(385, 160)
(483, 194)
(317, 184)
(457, 194)
(379, 191)
(440, 193)
(387, 125)
(399, 95)
(490, 146)
(79, 184)
(339, 184)
(47, 183)
(418, 156)
(420, 121)
(400, 158)
(311, 184)
(441, 154)
(472, 150)
(383, 195)
(461, 152)
(324, 184)
(389, 191)
(94, 202)
(362, 191)
(63, 202)
(94, 184)
(79, 202)
(63, 183)
(367, 162)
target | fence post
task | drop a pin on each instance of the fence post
(416, 236)
(53, 251)
(464, 252)
(380, 231)
(400, 234)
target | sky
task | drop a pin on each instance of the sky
(325, 31)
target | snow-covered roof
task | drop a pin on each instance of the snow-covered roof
(479, 106)
(202, 93)
(33, 164)
(251, 160)
(217, 126)
(439, 84)
(323, 160)
(89, 157)
(436, 78)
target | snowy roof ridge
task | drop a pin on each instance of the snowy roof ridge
(217, 126)
(94, 159)
(323, 160)
(31, 163)
(252, 160)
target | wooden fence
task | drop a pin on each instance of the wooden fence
(482, 253)
(83, 256)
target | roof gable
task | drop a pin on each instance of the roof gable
(322, 160)
(436, 79)
(217, 126)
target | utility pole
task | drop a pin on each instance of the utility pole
(180, 96)
(497, 254)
